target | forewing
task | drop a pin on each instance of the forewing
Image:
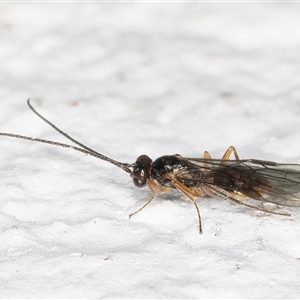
(256, 179)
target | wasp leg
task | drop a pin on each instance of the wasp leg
(228, 153)
(155, 190)
(191, 194)
(148, 202)
(236, 198)
(206, 155)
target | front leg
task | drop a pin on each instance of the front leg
(155, 190)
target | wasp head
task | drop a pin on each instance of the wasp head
(141, 170)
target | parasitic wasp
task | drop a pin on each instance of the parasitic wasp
(235, 179)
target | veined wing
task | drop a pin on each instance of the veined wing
(256, 179)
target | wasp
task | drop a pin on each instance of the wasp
(237, 180)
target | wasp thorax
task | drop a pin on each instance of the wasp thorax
(141, 170)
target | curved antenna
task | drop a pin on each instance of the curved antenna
(59, 130)
(123, 166)
(83, 149)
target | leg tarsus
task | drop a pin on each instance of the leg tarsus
(155, 190)
(199, 216)
(148, 202)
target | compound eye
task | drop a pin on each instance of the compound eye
(139, 182)
(141, 170)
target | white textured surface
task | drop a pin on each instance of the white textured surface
(134, 78)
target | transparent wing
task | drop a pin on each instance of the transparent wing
(256, 179)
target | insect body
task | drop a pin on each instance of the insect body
(237, 180)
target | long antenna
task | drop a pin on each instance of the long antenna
(59, 130)
(84, 149)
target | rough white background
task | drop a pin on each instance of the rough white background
(134, 78)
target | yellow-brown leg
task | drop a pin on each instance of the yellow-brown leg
(206, 155)
(148, 202)
(228, 153)
(191, 194)
(155, 190)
